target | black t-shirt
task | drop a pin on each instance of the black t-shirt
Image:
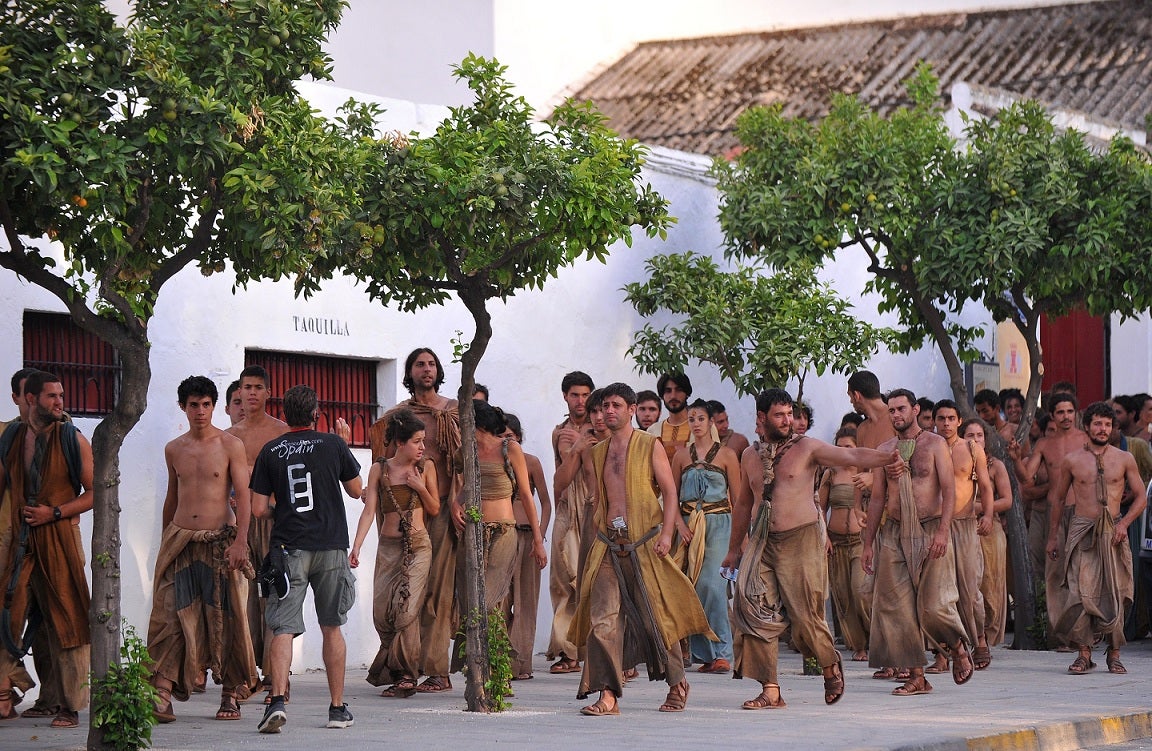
(304, 469)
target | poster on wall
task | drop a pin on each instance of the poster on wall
(1012, 354)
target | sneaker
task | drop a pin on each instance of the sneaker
(339, 717)
(274, 716)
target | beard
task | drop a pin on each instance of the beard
(1098, 442)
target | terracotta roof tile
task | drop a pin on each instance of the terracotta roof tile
(686, 94)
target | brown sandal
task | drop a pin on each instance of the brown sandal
(565, 665)
(940, 665)
(401, 689)
(764, 701)
(677, 698)
(834, 685)
(981, 657)
(66, 718)
(40, 711)
(1082, 664)
(434, 684)
(962, 667)
(229, 708)
(911, 688)
(162, 710)
(1113, 662)
(11, 698)
(884, 674)
(600, 709)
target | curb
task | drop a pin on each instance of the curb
(1057, 736)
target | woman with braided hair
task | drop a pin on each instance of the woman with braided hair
(401, 490)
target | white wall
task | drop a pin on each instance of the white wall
(577, 321)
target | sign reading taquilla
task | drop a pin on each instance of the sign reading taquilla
(316, 325)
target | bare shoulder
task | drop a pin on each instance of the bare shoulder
(532, 461)
(726, 454)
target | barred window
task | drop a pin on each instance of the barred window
(345, 387)
(88, 367)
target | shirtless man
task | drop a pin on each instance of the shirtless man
(627, 561)
(255, 430)
(987, 404)
(1048, 453)
(728, 437)
(234, 403)
(779, 544)
(970, 474)
(647, 409)
(201, 533)
(568, 439)
(1095, 561)
(927, 416)
(423, 377)
(914, 562)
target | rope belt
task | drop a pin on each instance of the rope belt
(715, 507)
(642, 639)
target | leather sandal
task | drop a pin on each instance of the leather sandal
(1082, 664)
(600, 709)
(66, 718)
(884, 674)
(162, 710)
(435, 684)
(940, 665)
(764, 701)
(40, 711)
(9, 697)
(914, 687)
(401, 689)
(565, 665)
(1112, 660)
(677, 698)
(962, 667)
(834, 685)
(229, 708)
(981, 657)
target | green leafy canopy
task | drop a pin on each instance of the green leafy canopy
(758, 329)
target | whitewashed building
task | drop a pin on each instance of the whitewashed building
(399, 54)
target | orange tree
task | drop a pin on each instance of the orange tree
(1021, 219)
(174, 140)
(490, 204)
(758, 328)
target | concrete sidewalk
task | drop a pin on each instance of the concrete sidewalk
(1025, 700)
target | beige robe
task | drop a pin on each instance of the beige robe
(397, 596)
(782, 582)
(994, 583)
(1097, 582)
(675, 608)
(198, 617)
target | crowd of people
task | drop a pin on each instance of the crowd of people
(675, 541)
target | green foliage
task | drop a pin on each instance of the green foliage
(1022, 218)
(1064, 225)
(473, 515)
(494, 202)
(178, 138)
(803, 193)
(758, 329)
(124, 699)
(1038, 630)
(499, 684)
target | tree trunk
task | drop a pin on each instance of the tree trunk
(474, 611)
(105, 615)
(943, 341)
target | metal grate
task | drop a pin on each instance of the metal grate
(345, 387)
(88, 367)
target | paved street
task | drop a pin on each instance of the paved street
(1026, 700)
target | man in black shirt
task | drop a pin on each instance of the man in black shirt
(304, 469)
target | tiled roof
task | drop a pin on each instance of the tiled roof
(1095, 58)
